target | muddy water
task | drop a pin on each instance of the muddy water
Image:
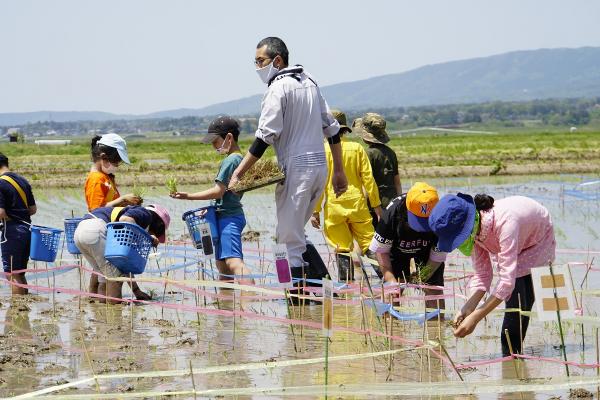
(47, 340)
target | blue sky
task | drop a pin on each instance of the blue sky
(139, 56)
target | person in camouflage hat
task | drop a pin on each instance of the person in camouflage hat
(384, 163)
(346, 217)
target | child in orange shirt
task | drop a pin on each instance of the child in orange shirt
(108, 151)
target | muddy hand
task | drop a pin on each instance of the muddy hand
(131, 199)
(458, 319)
(466, 326)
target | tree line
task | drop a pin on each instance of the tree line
(554, 112)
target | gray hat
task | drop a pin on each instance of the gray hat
(371, 128)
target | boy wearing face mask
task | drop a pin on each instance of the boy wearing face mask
(108, 152)
(223, 133)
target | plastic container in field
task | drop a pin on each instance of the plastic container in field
(194, 218)
(127, 247)
(44, 243)
(70, 226)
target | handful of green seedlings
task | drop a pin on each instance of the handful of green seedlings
(172, 185)
(422, 274)
(140, 192)
(264, 172)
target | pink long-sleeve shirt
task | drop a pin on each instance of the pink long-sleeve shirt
(519, 232)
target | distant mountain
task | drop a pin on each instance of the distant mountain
(515, 76)
(8, 119)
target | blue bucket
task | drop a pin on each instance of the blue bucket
(44, 243)
(70, 226)
(194, 218)
(127, 247)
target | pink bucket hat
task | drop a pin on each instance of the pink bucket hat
(164, 216)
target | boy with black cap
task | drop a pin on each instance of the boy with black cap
(223, 133)
(17, 205)
(403, 233)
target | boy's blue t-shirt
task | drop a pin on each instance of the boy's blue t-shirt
(230, 204)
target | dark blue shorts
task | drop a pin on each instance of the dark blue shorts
(16, 248)
(229, 244)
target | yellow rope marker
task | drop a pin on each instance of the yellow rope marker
(414, 389)
(207, 370)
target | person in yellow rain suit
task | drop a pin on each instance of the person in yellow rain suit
(347, 217)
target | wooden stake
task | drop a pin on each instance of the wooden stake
(203, 287)
(302, 302)
(233, 338)
(89, 360)
(197, 306)
(560, 330)
(158, 266)
(80, 262)
(326, 364)
(520, 322)
(162, 309)
(106, 297)
(53, 294)
(372, 296)
(287, 302)
(440, 336)
(514, 360)
(131, 303)
(192, 377)
(451, 362)
(597, 364)
(212, 269)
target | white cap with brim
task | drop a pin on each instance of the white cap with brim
(115, 141)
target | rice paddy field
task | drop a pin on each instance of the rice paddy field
(204, 338)
(421, 155)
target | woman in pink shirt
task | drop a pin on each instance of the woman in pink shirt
(518, 232)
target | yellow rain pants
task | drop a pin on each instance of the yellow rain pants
(347, 217)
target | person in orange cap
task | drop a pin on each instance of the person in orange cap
(403, 234)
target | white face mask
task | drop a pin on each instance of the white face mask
(111, 169)
(222, 150)
(267, 72)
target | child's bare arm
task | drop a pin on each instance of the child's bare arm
(215, 192)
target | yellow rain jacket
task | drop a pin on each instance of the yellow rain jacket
(347, 217)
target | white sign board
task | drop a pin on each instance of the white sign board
(546, 302)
